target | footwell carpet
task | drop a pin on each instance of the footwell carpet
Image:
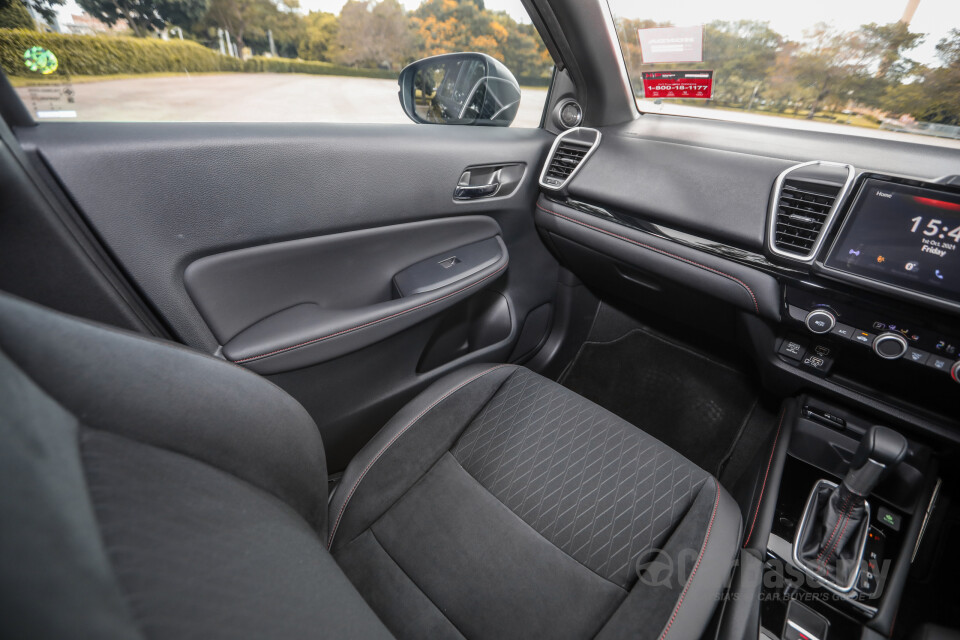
(690, 402)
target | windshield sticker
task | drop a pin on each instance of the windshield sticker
(671, 44)
(678, 84)
(53, 97)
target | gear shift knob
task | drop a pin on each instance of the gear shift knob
(880, 450)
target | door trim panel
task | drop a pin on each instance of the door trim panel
(288, 305)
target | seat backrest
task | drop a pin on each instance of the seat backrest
(146, 489)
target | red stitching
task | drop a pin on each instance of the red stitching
(846, 518)
(660, 251)
(836, 525)
(372, 322)
(336, 524)
(767, 473)
(703, 549)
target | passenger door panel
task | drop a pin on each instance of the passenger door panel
(248, 239)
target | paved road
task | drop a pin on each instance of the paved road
(284, 97)
(248, 97)
(750, 117)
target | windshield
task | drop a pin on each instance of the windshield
(886, 68)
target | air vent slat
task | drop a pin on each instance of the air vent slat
(795, 202)
(787, 187)
(565, 159)
(802, 210)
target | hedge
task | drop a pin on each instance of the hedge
(95, 56)
(286, 65)
(100, 55)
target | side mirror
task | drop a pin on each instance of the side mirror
(459, 88)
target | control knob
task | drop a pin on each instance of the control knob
(955, 371)
(890, 346)
(820, 321)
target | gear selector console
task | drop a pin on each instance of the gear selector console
(851, 502)
(833, 531)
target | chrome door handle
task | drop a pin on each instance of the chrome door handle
(464, 192)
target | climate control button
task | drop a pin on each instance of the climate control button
(820, 321)
(890, 346)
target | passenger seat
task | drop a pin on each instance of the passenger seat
(150, 491)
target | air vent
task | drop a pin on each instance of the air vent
(801, 213)
(566, 158)
(804, 208)
(570, 150)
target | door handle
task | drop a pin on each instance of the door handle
(469, 192)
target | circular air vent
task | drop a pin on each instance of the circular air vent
(569, 114)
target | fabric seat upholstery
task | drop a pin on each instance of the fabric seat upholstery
(502, 492)
(151, 491)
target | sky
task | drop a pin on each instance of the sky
(934, 17)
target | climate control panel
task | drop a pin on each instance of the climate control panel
(889, 336)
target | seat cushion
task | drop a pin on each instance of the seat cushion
(500, 504)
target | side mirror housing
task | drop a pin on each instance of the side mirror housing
(459, 88)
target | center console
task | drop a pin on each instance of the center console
(869, 271)
(837, 569)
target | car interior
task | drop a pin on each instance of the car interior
(624, 375)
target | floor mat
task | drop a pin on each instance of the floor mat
(690, 402)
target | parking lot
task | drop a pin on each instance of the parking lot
(286, 97)
(250, 97)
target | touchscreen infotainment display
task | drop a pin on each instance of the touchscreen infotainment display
(904, 236)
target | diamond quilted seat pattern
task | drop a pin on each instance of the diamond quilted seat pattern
(595, 486)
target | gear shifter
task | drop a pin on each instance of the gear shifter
(880, 450)
(831, 535)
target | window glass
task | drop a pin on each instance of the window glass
(251, 60)
(884, 68)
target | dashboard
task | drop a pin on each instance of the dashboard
(863, 302)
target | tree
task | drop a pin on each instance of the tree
(935, 96)
(831, 63)
(782, 87)
(448, 26)
(288, 27)
(319, 38)
(243, 19)
(145, 16)
(374, 34)
(741, 53)
(886, 46)
(14, 15)
(10, 11)
(524, 52)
